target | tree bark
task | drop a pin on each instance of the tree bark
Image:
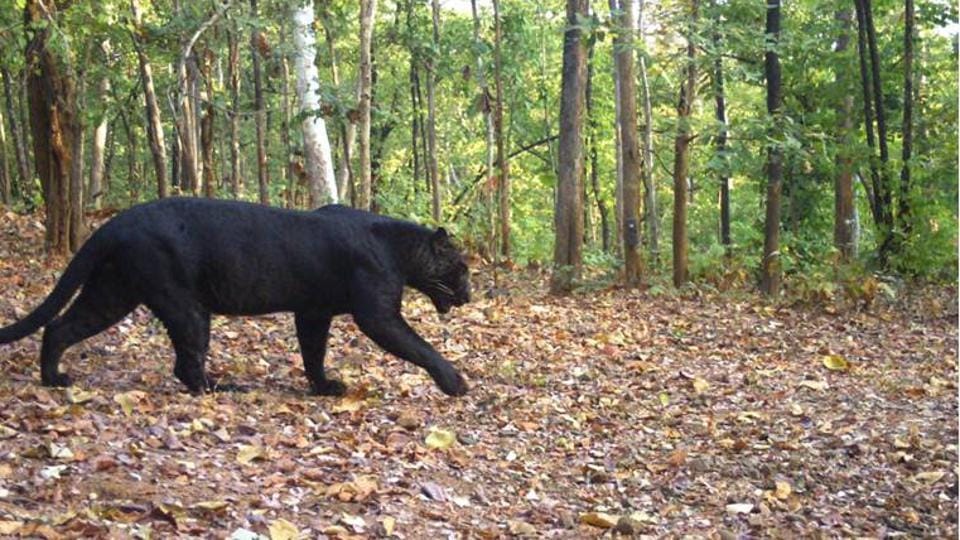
(154, 127)
(629, 149)
(681, 147)
(368, 9)
(503, 183)
(98, 151)
(53, 121)
(432, 167)
(233, 75)
(908, 37)
(844, 237)
(206, 126)
(260, 115)
(593, 152)
(5, 179)
(568, 212)
(720, 141)
(319, 161)
(771, 268)
(16, 133)
(485, 102)
(651, 212)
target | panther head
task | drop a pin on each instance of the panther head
(445, 277)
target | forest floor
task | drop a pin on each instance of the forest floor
(607, 412)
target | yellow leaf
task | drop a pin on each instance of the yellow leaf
(783, 490)
(599, 519)
(835, 362)
(248, 453)
(7, 432)
(930, 477)
(440, 438)
(282, 529)
(389, 523)
(212, 506)
(664, 398)
(78, 396)
(700, 385)
(354, 522)
(129, 400)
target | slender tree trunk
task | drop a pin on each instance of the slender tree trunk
(629, 149)
(263, 178)
(154, 126)
(651, 212)
(97, 163)
(503, 183)
(432, 167)
(53, 121)
(568, 212)
(16, 133)
(5, 179)
(233, 75)
(368, 9)
(594, 154)
(771, 270)
(843, 227)
(347, 126)
(908, 37)
(681, 164)
(206, 127)
(78, 231)
(618, 156)
(882, 191)
(319, 161)
(720, 142)
(485, 101)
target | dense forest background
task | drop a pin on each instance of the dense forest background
(510, 122)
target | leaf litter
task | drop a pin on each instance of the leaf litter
(613, 412)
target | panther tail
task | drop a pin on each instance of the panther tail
(77, 272)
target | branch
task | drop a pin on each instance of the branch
(515, 153)
(188, 48)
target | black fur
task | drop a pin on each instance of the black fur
(186, 259)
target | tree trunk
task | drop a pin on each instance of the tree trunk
(771, 271)
(651, 212)
(720, 142)
(432, 167)
(594, 154)
(629, 149)
(485, 102)
(260, 118)
(681, 148)
(319, 161)
(843, 225)
(16, 133)
(98, 151)
(503, 183)
(206, 126)
(154, 126)
(882, 193)
(53, 121)
(77, 229)
(908, 37)
(347, 125)
(568, 212)
(368, 9)
(233, 74)
(5, 180)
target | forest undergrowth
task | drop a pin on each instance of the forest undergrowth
(604, 412)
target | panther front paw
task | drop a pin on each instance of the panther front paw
(328, 387)
(452, 383)
(59, 380)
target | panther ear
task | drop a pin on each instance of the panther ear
(439, 239)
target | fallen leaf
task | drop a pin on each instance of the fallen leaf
(77, 396)
(739, 508)
(248, 453)
(700, 385)
(281, 529)
(129, 400)
(10, 527)
(835, 362)
(7, 432)
(348, 403)
(434, 491)
(664, 400)
(929, 477)
(440, 438)
(389, 524)
(354, 522)
(521, 528)
(814, 385)
(599, 519)
(211, 506)
(782, 489)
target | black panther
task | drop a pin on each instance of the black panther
(187, 258)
